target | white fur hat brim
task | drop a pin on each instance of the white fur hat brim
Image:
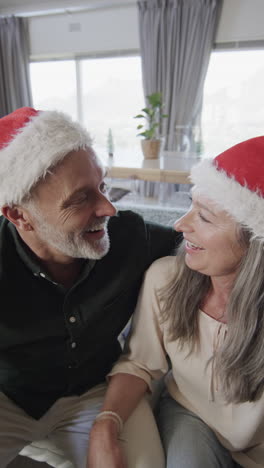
(244, 205)
(34, 149)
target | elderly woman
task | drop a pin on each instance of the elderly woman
(201, 314)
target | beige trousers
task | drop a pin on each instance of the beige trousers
(65, 429)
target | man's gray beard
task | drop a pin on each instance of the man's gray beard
(72, 244)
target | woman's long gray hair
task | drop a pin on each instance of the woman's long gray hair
(239, 362)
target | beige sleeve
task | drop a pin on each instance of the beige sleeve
(144, 354)
(247, 458)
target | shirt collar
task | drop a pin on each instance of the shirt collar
(31, 261)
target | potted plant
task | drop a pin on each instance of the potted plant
(152, 116)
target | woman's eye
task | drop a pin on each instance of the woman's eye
(203, 218)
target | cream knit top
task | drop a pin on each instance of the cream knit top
(191, 382)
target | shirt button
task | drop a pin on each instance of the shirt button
(73, 365)
(73, 345)
(72, 319)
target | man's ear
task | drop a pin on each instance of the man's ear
(18, 216)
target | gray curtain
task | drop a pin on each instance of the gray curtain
(15, 88)
(176, 38)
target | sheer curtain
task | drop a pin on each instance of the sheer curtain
(176, 38)
(15, 88)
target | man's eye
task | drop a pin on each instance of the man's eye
(80, 200)
(104, 187)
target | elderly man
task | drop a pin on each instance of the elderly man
(71, 268)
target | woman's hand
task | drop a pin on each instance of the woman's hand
(123, 394)
(105, 450)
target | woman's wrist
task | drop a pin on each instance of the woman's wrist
(113, 416)
(106, 426)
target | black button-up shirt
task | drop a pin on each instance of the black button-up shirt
(56, 342)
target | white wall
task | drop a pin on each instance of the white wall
(115, 28)
(241, 20)
(97, 31)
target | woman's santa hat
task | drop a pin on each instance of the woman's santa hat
(31, 143)
(235, 181)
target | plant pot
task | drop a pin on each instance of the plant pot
(151, 148)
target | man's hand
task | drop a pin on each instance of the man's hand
(105, 449)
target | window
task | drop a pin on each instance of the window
(109, 94)
(54, 86)
(233, 107)
(112, 96)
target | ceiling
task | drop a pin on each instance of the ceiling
(31, 7)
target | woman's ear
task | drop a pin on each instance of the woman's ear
(18, 216)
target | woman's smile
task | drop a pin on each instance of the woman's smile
(191, 247)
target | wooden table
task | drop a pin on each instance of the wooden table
(168, 168)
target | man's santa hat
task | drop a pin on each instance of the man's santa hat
(235, 181)
(31, 143)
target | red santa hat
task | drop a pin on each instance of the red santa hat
(235, 181)
(31, 143)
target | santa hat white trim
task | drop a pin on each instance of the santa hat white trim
(35, 148)
(244, 205)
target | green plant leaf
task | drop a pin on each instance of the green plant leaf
(146, 110)
(142, 134)
(152, 116)
(155, 99)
